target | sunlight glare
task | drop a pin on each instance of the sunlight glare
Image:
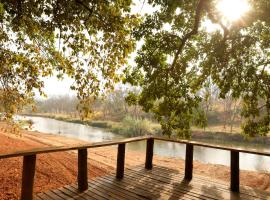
(233, 10)
(210, 27)
(167, 27)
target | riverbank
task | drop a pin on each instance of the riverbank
(57, 169)
(129, 127)
(148, 127)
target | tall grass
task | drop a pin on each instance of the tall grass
(132, 127)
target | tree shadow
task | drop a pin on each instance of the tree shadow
(180, 190)
(211, 191)
(158, 183)
(149, 184)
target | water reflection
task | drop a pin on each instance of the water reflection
(202, 154)
(80, 131)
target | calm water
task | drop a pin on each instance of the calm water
(205, 155)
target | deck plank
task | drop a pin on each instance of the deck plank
(78, 196)
(194, 187)
(122, 191)
(54, 196)
(142, 192)
(60, 194)
(158, 183)
(90, 193)
(221, 185)
(152, 190)
(44, 196)
(68, 193)
(167, 188)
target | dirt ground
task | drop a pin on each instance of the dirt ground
(52, 171)
(58, 169)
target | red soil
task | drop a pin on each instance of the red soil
(52, 170)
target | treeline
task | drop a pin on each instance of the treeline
(64, 104)
(224, 114)
(113, 107)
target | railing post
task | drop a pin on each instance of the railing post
(82, 170)
(235, 171)
(120, 161)
(149, 153)
(28, 175)
(189, 162)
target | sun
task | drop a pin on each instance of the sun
(232, 10)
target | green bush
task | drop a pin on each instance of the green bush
(134, 127)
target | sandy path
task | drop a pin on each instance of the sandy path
(57, 169)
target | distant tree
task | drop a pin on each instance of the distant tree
(116, 105)
(231, 111)
(179, 56)
(63, 104)
(113, 106)
(209, 94)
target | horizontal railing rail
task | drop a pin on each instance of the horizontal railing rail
(202, 144)
(43, 150)
(29, 160)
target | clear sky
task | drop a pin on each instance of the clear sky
(53, 86)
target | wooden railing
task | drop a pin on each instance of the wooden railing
(29, 160)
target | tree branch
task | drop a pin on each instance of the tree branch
(194, 30)
(85, 6)
(19, 10)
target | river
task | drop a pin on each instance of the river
(202, 154)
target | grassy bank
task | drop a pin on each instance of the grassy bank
(232, 138)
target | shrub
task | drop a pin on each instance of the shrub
(134, 127)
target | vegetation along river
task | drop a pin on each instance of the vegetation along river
(202, 154)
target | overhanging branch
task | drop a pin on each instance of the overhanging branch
(194, 30)
(91, 10)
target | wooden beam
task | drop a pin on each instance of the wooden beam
(149, 153)
(235, 171)
(120, 161)
(82, 170)
(189, 162)
(28, 175)
(44, 150)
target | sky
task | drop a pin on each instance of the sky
(54, 87)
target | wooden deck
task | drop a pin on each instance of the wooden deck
(158, 183)
(142, 182)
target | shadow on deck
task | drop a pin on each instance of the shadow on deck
(158, 183)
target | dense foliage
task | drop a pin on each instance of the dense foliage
(87, 40)
(180, 56)
(90, 41)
